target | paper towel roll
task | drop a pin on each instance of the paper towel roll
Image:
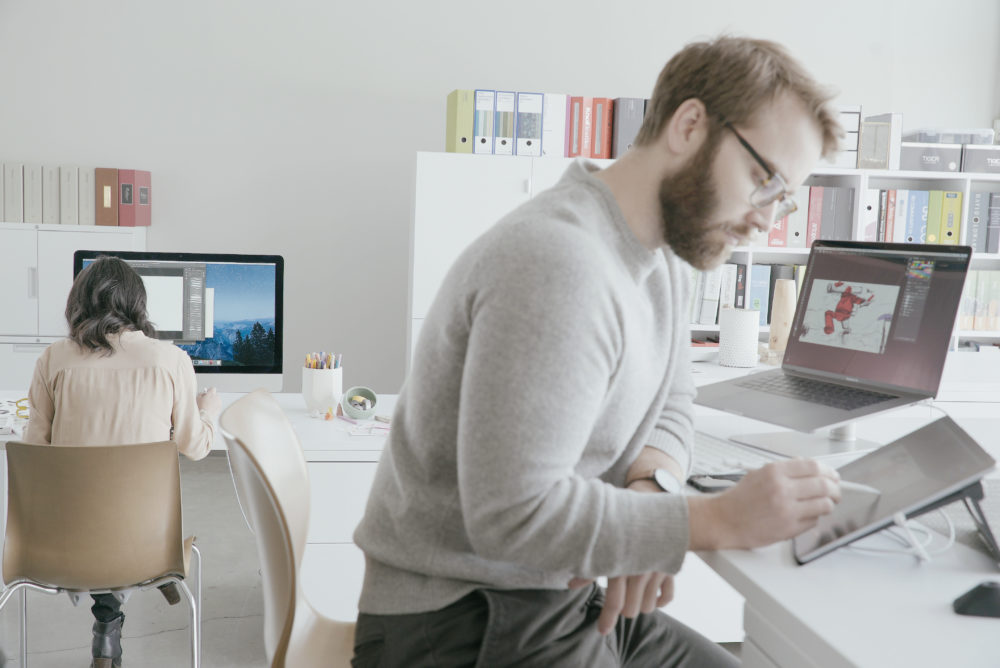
(738, 332)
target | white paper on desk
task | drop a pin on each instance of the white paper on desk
(365, 428)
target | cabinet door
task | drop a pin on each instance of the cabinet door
(458, 197)
(19, 281)
(17, 365)
(338, 495)
(55, 270)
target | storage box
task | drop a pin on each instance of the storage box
(927, 157)
(976, 136)
(979, 158)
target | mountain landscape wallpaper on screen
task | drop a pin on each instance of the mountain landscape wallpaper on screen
(240, 343)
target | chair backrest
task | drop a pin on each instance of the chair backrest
(93, 517)
(270, 473)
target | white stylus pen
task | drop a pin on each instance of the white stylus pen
(859, 487)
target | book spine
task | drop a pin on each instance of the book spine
(993, 224)
(814, 219)
(777, 236)
(603, 117)
(951, 217)
(975, 223)
(934, 216)
(869, 215)
(740, 297)
(890, 215)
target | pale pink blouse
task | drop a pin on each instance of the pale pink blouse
(144, 392)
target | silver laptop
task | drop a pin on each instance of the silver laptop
(870, 333)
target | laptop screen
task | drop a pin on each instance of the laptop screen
(878, 312)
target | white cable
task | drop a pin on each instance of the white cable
(909, 540)
(918, 548)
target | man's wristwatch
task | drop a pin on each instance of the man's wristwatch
(664, 479)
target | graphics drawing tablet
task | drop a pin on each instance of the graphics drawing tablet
(909, 474)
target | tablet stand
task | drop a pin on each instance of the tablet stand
(970, 496)
(841, 440)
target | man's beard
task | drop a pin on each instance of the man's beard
(687, 199)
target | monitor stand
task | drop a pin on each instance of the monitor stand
(841, 440)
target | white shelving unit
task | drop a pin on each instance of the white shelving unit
(861, 180)
(457, 197)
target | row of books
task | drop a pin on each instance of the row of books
(727, 286)
(541, 124)
(980, 306)
(72, 195)
(824, 212)
(925, 216)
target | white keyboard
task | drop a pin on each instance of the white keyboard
(714, 455)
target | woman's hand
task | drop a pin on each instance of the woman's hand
(209, 402)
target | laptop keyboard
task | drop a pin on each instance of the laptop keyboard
(712, 456)
(815, 391)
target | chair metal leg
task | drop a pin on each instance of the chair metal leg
(195, 624)
(24, 628)
(198, 610)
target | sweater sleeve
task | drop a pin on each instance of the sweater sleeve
(39, 429)
(674, 431)
(549, 357)
(193, 432)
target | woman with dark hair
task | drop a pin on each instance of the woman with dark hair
(112, 383)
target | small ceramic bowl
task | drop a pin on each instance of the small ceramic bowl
(352, 411)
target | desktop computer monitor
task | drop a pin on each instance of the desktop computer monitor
(223, 310)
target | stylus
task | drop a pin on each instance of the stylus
(859, 487)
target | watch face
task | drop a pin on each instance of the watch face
(666, 481)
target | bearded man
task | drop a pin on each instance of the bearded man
(547, 415)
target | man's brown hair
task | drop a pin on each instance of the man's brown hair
(735, 77)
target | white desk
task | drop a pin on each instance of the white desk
(843, 609)
(852, 609)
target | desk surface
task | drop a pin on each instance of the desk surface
(845, 608)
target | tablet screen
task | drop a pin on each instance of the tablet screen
(907, 474)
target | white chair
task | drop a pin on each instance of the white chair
(272, 483)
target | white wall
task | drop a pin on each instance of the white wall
(291, 127)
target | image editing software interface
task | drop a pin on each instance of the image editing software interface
(885, 315)
(225, 311)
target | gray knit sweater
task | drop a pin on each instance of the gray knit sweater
(555, 350)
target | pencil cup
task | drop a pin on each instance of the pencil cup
(738, 331)
(322, 388)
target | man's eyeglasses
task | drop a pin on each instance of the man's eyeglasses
(772, 189)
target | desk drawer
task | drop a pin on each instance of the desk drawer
(339, 492)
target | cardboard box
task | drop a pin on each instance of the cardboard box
(927, 157)
(980, 158)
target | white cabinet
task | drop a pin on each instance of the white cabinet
(18, 276)
(457, 198)
(55, 269)
(36, 274)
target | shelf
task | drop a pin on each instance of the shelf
(695, 327)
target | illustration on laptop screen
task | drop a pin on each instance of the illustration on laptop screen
(883, 314)
(859, 316)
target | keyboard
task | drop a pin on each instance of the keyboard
(714, 455)
(815, 391)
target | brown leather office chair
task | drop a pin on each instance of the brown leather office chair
(269, 471)
(69, 531)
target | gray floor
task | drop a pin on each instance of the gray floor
(156, 634)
